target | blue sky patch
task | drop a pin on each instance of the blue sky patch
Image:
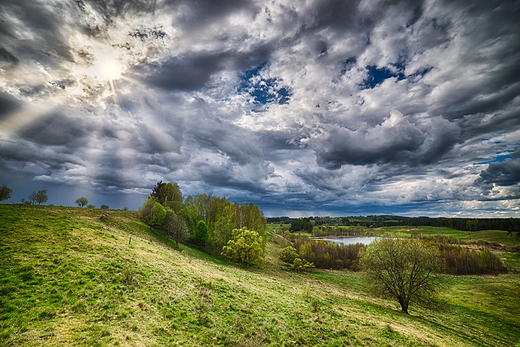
(263, 90)
(497, 159)
(376, 76)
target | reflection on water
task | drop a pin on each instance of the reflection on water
(351, 240)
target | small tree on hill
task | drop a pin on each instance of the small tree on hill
(201, 233)
(104, 207)
(41, 196)
(403, 270)
(175, 227)
(5, 193)
(83, 201)
(244, 247)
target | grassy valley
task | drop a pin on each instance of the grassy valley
(86, 277)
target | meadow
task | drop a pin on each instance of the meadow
(88, 277)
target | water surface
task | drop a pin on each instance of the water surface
(351, 240)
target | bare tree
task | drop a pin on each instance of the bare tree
(32, 197)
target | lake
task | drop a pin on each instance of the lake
(351, 240)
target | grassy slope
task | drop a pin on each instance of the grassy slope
(69, 278)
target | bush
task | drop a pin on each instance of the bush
(244, 247)
(288, 254)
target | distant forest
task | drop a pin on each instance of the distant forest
(511, 225)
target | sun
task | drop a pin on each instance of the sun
(107, 68)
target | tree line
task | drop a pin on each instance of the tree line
(511, 225)
(39, 196)
(458, 260)
(216, 225)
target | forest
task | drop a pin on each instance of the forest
(204, 220)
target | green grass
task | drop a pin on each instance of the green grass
(73, 277)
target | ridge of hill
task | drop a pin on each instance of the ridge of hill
(86, 277)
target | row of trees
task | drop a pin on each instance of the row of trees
(301, 225)
(83, 201)
(237, 231)
(40, 196)
(324, 254)
(511, 225)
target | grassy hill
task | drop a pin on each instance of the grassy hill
(71, 276)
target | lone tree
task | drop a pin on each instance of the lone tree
(83, 201)
(41, 196)
(404, 270)
(244, 247)
(5, 193)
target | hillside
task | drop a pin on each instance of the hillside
(85, 277)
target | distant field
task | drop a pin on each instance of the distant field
(73, 277)
(498, 236)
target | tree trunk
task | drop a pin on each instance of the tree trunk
(404, 308)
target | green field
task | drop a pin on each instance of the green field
(85, 277)
(498, 236)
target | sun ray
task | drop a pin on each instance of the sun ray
(129, 79)
(20, 118)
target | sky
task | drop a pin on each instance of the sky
(305, 108)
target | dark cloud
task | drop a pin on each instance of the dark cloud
(7, 104)
(118, 8)
(397, 140)
(182, 73)
(41, 20)
(55, 129)
(201, 13)
(8, 57)
(506, 173)
(192, 72)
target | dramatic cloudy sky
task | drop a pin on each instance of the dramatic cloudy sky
(311, 107)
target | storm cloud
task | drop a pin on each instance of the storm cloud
(319, 107)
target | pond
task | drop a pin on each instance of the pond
(351, 240)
